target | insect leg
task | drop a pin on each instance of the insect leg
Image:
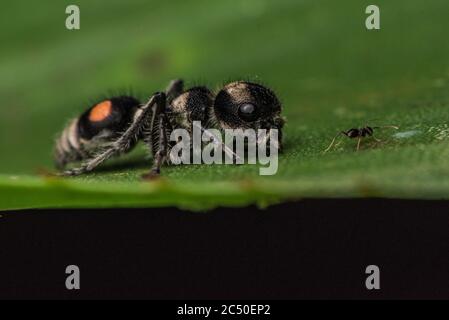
(123, 142)
(174, 89)
(158, 128)
(267, 138)
(217, 141)
(333, 141)
(358, 143)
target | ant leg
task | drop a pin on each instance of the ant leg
(332, 143)
(159, 148)
(338, 143)
(91, 164)
(174, 89)
(161, 153)
(358, 143)
(267, 138)
(123, 143)
(218, 141)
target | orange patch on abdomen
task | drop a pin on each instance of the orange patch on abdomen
(101, 111)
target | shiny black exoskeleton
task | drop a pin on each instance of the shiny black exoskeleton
(358, 133)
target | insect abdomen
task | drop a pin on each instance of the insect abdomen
(68, 146)
(113, 115)
(101, 123)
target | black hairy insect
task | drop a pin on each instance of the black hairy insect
(114, 126)
(358, 133)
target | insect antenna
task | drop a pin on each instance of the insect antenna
(216, 140)
(332, 143)
(386, 127)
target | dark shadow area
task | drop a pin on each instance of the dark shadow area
(119, 165)
(309, 249)
(134, 161)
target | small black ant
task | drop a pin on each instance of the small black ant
(359, 133)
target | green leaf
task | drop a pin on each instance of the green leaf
(330, 72)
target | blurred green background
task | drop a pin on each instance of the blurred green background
(329, 71)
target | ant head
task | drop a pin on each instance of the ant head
(248, 105)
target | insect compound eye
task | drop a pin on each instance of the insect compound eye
(244, 104)
(248, 112)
